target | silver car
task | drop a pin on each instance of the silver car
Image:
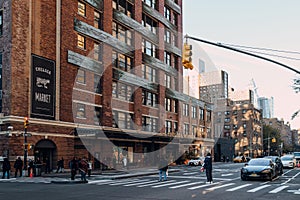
(288, 161)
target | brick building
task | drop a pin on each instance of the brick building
(97, 78)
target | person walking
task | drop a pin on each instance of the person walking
(74, 167)
(163, 168)
(60, 165)
(18, 166)
(83, 168)
(5, 168)
(208, 167)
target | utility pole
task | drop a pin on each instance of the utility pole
(25, 142)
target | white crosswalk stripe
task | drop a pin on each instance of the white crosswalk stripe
(157, 183)
(259, 188)
(128, 182)
(184, 185)
(220, 186)
(238, 187)
(278, 189)
(168, 184)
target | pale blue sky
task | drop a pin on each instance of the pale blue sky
(271, 24)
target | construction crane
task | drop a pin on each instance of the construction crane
(256, 94)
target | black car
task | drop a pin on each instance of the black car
(278, 162)
(259, 168)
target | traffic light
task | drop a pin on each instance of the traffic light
(187, 56)
(26, 122)
(273, 140)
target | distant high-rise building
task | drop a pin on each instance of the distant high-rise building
(213, 85)
(267, 106)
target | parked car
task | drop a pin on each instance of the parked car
(239, 159)
(278, 164)
(196, 161)
(259, 168)
(288, 161)
(297, 156)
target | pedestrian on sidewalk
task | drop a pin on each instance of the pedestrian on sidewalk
(208, 167)
(60, 165)
(163, 167)
(18, 166)
(74, 167)
(83, 168)
(90, 167)
(5, 168)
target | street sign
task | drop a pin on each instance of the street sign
(27, 134)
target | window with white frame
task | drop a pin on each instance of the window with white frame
(201, 113)
(151, 3)
(168, 103)
(167, 81)
(149, 98)
(167, 13)
(122, 61)
(80, 41)
(123, 6)
(167, 58)
(185, 109)
(122, 33)
(148, 73)
(149, 124)
(168, 127)
(167, 36)
(97, 20)
(81, 9)
(150, 23)
(122, 91)
(149, 48)
(122, 120)
(194, 112)
(186, 129)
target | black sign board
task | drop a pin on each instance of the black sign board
(43, 88)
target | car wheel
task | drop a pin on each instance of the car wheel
(243, 177)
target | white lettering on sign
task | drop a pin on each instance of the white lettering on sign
(40, 97)
(42, 69)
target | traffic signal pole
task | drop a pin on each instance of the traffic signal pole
(241, 51)
(25, 143)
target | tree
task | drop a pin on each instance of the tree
(269, 133)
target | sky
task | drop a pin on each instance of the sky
(272, 24)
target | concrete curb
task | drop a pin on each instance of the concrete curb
(68, 182)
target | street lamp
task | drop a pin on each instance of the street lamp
(26, 123)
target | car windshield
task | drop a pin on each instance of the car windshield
(259, 162)
(272, 158)
(287, 158)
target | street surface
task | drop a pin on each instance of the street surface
(187, 183)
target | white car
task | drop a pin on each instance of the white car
(288, 161)
(196, 161)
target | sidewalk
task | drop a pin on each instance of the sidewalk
(64, 178)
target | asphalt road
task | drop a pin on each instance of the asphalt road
(187, 183)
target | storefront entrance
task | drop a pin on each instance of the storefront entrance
(46, 152)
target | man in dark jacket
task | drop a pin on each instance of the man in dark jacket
(208, 167)
(18, 166)
(6, 168)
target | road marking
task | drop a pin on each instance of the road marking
(184, 185)
(134, 184)
(226, 174)
(98, 181)
(294, 191)
(291, 179)
(237, 188)
(220, 186)
(157, 183)
(202, 186)
(191, 173)
(127, 182)
(278, 189)
(168, 184)
(259, 188)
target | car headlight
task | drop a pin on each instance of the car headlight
(244, 170)
(266, 171)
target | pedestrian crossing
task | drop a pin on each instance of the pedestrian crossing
(194, 185)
